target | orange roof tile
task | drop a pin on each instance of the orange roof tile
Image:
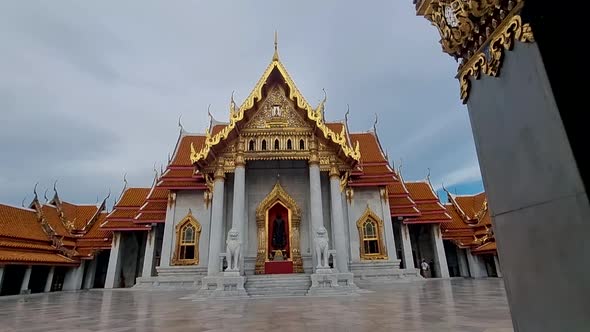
(26, 244)
(421, 191)
(178, 173)
(470, 204)
(154, 206)
(133, 197)
(25, 257)
(158, 194)
(122, 214)
(150, 217)
(335, 126)
(370, 150)
(124, 225)
(20, 223)
(181, 185)
(52, 217)
(78, 214)
(486, 248)
(183, 149)
(96, 232)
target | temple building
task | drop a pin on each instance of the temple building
(277, 189)
(469, 238)
(52, 246)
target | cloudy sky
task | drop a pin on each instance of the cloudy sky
(90, 91)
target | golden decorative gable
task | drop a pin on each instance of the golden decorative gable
(276, 111)
(315, 115)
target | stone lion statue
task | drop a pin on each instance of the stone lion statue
(321, 247)
(233, 250)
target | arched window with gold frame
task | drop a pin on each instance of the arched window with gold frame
(188, 233)
(370, 228)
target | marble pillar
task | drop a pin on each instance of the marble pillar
(167, 241)
(49, 281)
(74, 277)
(476, 266)
(239, 199)
(216, 236)
(90, 274)
(315, 197)
(148, 256)
(498, 269)
(114, 268)
(406, 246)
(462, 260)
(338, 222)
(24, 287)
(1, 276)
(440, 258)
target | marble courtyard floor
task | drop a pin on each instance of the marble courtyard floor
(434, 305)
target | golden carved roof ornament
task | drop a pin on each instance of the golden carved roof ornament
(313, 114)
(476, 32)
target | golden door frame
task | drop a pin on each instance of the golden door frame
(278, 196)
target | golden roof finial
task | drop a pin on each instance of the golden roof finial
(275, 56)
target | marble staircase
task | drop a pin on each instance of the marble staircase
(295, 284)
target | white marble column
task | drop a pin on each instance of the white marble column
(338, 221)
(24, 287)
(440, 257)
(168, 238)
(114, 268)
(406, 246)
(49, 280)
(1, 276)
(476, 267)
(90, 274)
(74, 277)
(239, 198)
(315, 198)
(498, 269)
(216, 236)
(462, 260)
(148, 256)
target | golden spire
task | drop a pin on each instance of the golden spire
(275, 56)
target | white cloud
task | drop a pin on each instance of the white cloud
(91, 90)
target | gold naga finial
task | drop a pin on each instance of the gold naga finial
(275, 56)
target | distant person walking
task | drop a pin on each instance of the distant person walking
(425, 269)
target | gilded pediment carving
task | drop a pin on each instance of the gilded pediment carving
(276, 111)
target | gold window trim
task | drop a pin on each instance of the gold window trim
(369, 214)
(189, 219)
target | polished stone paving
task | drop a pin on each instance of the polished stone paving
(434, 305)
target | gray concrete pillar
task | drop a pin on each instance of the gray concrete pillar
(216, 237)
(148, 256)
(440, 257)
(476, 266)
(407, 247)
(90, 274)
(498, 269)
(24, 287)
(338, 223)
(49, 280)
(168, 238)
(315, 197)
(74, 277)
(462, 260)
(114, 268)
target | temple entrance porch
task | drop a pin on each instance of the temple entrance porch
(278, 219)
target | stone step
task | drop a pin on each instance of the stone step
(278, 285)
